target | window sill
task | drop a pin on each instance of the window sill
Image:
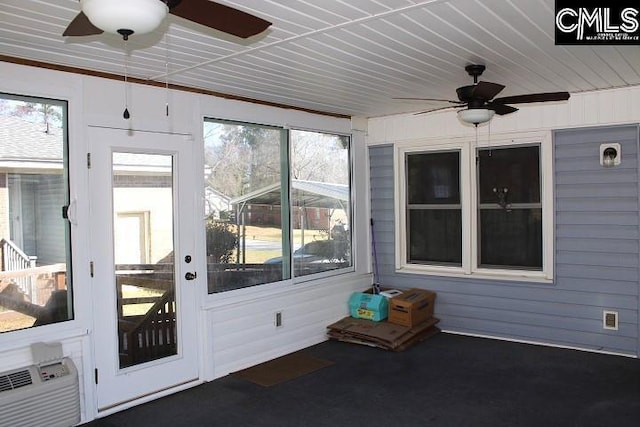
(54, 332)
(276, 289)
(481, 274)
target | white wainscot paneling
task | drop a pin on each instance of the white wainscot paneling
(242, 333)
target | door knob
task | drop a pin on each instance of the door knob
(190, 275)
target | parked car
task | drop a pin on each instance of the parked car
(317, 251)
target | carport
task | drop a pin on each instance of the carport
(304, 194)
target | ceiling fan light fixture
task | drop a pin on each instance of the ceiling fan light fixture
(138, 16)
(475, 116)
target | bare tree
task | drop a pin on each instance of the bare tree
(244, 158)
(319, 157)
(241, 158)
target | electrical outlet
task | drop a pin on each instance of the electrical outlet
(610, 320)
(278, 320)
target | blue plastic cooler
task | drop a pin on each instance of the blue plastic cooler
(368, 306)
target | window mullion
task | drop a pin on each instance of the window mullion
(285, 210)
(468, 197)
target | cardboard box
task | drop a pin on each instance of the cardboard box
(414, 306)
(381, 334)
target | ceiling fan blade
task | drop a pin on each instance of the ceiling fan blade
(430, 100)
(486, 90)
(81, 26)
(501, 109)
(436, 109)
(533, 97)
(220, 17)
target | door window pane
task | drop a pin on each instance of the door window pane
(320, 200)
(35, 282)
(434, 210)
(143, 243)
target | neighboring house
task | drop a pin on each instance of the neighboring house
(142, 184)
(216, 202)
(31, 186)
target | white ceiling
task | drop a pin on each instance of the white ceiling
(346, 57)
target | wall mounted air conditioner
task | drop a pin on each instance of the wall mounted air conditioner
(40, 395)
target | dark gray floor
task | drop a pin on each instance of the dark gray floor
(448, 380)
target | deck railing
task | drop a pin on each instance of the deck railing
(150, 336)
(14, 259)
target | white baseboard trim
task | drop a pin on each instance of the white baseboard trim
(540, 343)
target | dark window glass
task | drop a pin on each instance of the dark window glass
(510, 210)
(435, 236)
(433, 178)
(434, 211)
(516, 169)
(511, 239)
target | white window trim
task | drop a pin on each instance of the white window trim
(355, 163)
(468, 194)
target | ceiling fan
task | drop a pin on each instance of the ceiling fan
(480, 102)
(126, 17)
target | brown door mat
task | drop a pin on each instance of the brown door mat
(282, 369)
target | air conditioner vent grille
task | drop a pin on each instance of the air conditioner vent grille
(36, 396)
(15, 380)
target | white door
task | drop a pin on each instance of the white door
(145, 326)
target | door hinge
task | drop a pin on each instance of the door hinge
(91, 268)
(88, 160)
(96, 375)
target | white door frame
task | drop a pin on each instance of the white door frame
(117, 388)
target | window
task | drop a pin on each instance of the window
(35, 285)
(434, 208)
(510, 208)
(277, 204)
(483, 211)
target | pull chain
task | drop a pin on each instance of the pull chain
(489, 138)
(166, 84)
(477, 153)
(126, 114)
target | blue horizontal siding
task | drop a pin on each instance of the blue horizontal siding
(597, 254)
(597, 219)
(613, 231)
(577, 191)
(588, 177)
(597, 246)
(607, 244)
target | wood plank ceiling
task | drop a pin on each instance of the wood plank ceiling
(347, 57)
